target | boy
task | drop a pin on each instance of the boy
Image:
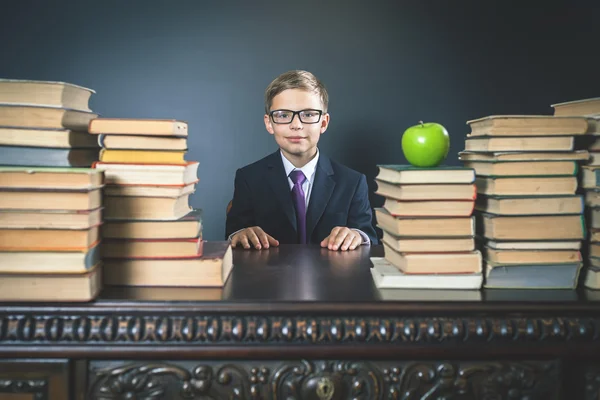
(297, 194)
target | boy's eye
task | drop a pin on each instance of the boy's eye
(309, 113)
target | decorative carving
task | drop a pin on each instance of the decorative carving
(478, 381)
(185, 329)
(168, 381)
(329, 380)
(37, 387)
(592, 384)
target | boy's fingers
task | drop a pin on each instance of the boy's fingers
(336, 239)
(244, 241)
(339, 239)
(331, 238)
(253, 238)
(356, 242)
(272, 240)
(263, 237)
(346, 243)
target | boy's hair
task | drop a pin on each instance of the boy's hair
(296, 79)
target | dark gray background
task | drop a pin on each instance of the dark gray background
(386, 64)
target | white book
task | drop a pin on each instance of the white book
(386, 275)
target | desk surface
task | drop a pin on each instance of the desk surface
(298, 278)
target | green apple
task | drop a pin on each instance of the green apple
(425, 144)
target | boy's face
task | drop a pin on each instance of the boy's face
(297, 140)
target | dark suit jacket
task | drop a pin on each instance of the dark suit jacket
(262, 197)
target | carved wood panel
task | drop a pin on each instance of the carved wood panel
(35, 379)
(592, 383)
(325, 380)
(36, 389)
(173, 329)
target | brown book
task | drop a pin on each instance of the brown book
(525, 185)
(592, 196)
(143, 157)
(143, 208)
(531, 256)
(149, 191)
(212, 269)
(594, 160)
(530, 205)
(48, 239)
(533, 244)
(580, 107)
(428, 244)
(56, 262)
(145, 174)
(45, 93)
(44, 117)
(50, 219)
(51, 287)
(594, 249)
(188, 226)
(590, 177)
(457, 191)
(518, 168)
(429, 208)
(579, 155)
(152, 248)
(498, 144)
(162, 293)
(137, 126)
(54, 138)
(408, 174)
(50, 178)
(592, 276)
(593, 217)
(526, 227)
(425, 227)
(527, 125)
(49, 199)
(435, 263)
(139, 142)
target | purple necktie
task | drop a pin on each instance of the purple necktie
(300, 203)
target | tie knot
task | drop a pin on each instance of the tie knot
(297, 177)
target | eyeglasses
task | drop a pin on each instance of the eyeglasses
(287, 116)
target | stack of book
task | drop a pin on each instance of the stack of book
(50, 198)
(428, 228)
(151, 236)
(589, 181)
(530, 223)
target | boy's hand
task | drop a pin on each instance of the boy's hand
(253, 236)
(342, 238)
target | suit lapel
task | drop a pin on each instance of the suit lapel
(281, 189)
(320, 194)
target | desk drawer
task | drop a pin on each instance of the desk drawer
(325, 380)
(32, 379)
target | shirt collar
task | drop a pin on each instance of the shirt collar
(308, 170)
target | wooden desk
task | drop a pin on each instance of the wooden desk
(300, 322)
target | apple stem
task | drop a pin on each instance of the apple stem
(421, 122)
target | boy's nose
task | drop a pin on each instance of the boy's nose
(296, 123)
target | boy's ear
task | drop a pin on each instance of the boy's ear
(324, 122)
(268, 124)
